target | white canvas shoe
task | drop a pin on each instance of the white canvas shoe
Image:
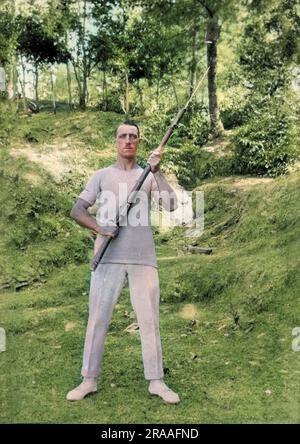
(80, 392)
(159, 388)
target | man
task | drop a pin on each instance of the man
(130, 253)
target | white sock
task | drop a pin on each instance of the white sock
(159, 387)
(153, 381)
(89, 379)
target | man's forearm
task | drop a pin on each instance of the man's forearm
(80, 214)
(166, 192)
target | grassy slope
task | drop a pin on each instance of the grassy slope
(230, 360)
(38, 234)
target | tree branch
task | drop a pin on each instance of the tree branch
(210, 12)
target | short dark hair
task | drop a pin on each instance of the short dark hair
(131, 123)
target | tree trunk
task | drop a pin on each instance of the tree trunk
(82, 98)
(77, 77)
(12, 86)
(68, 76)
(126, 98)
(175, 93)
(140, 93)
(69, 85)
(212, 35)
(87, 94)
(36, 84)
(17, 93)
(157, 92)
(194, 61)
(23, 85)
(13, 74)
(53, 92)
(104, 91)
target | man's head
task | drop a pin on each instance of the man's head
(127, 139)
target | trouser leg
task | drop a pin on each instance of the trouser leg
(144, 293)
(106, 285)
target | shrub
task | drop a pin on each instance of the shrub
(195, 125)
(235, 109)
(183, 162)
(264, 146)
(7, 122)
(191, 164)
(112, 102)
(153, 128)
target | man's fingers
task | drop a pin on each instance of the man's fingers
(114, 233)
(156, 153)
(106, 232)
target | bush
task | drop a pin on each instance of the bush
(191, 164)
(153, 128)
(112, 103)
(7, 122)
(183, 163)
(195, 125)
(234, 111)
(264, 146)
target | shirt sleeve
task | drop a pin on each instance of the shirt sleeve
(92, 188)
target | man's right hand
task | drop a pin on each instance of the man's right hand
(107, 231)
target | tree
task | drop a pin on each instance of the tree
(213, 29)
(7, 44)
(270, 45)
(39, 43)
(193, 14)
(146, 57)
(63, 20)
(268, 142)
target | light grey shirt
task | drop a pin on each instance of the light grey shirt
(134, 243)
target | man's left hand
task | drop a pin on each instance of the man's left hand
(154, 161)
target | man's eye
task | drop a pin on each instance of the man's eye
(131, 136)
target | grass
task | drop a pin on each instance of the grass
(226, 318)
(223, 373)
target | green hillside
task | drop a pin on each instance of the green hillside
(226, 318)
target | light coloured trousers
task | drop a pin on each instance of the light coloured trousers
(106, 284)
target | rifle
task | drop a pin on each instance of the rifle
(131, 197)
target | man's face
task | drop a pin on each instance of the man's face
(127, 141)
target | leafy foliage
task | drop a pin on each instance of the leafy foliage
(264, 146)
(270, 43)
(39, 43)
(194, 126)
(6, 36)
